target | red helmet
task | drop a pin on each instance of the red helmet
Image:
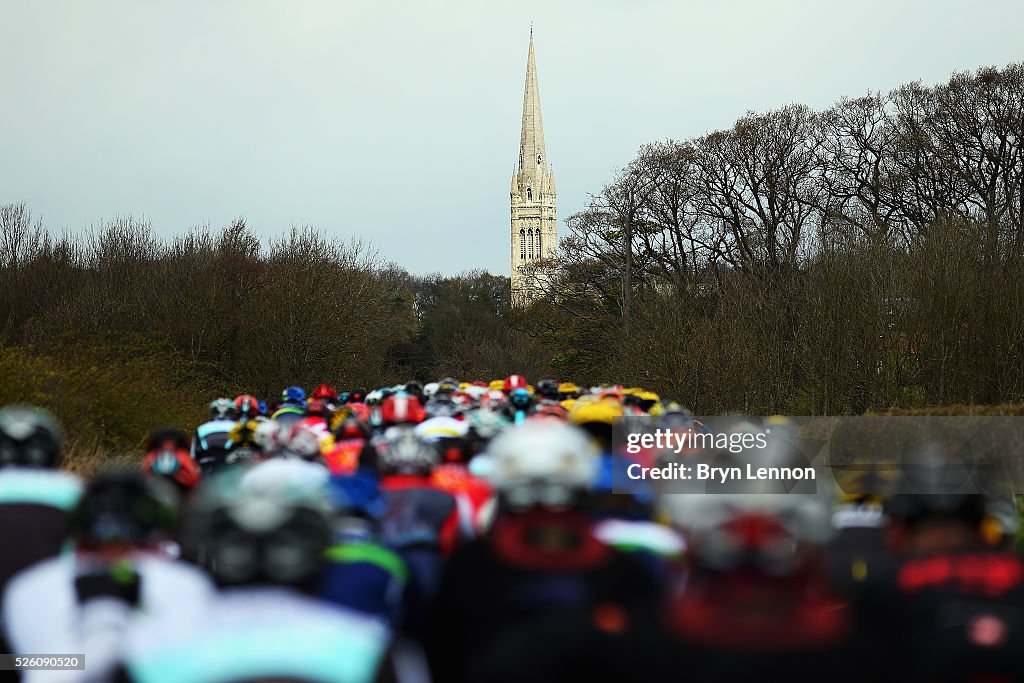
(360, 410)
(351, 428)
(552, 410)
(248, 406)
(325, 391)
(513, 382)
(320, 407)
(401, 409)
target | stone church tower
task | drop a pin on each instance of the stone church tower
(534, 221)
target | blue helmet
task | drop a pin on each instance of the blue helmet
(294, 395)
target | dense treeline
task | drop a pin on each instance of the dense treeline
(866, 256)
(119, 329)
(246, 316)
(816, 262)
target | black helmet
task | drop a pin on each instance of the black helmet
(547, 388)
(937, 488)
(29, 437)
(125, 508)
(273, 535)
(415, 388)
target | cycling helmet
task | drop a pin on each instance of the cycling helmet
(521, 399)
(438, 428)
(401, 409)
(448, 385)
(351, 428)
(441, 406)
(124, 509)
(493, 400)
(320, 407)
(547, 388)
(568, 390)
(551, 411)
(770, 533)
(295, 440)
(273, 535)
(936, 489)
(29, 437)
(513, 382)
(167, 456)
(540, 463)
(293, 395)
(648, 399)
(407, 454)
(247, 406)
(597, 418)
(485, 424)
(222, 409)
(325, 391)
(475, 391)
(674, 416)
(414, 388)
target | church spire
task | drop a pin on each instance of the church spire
(532, 155)
(534, 234)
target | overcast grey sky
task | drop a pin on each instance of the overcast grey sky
(398, 121)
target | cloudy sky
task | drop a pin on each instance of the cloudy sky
(397, 121)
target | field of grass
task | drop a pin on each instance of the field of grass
(107, 400)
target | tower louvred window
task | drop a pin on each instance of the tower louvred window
(522, 243)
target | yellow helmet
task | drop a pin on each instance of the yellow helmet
(568, 403)
(496, 385)
(569, 389)
(584, 412)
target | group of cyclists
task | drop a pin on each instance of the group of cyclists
(481, 532)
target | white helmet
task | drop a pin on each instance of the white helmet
(441, 427)
(405, 453)
(475, 390)
(540, 463)
(265, 436)
(294, 440)
(773, 531)
(430, 388)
